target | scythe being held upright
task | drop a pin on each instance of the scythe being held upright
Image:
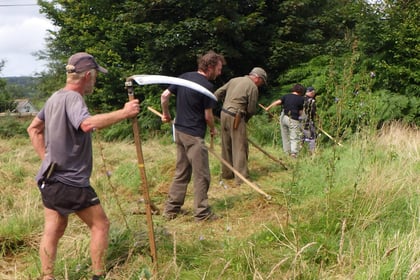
(129, 85)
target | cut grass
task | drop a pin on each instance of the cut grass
(349, 212)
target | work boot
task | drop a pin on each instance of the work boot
(171, 215)
(209, 218)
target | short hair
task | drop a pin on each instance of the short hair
(74, 78)
(299, 89)
(210, 59)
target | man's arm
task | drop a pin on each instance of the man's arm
(130, 110)
(164, 102)
(275, 103)
(208, 114)
(252, 104)
(36, 134)
(220, 93)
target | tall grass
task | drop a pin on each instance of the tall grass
(364, 227)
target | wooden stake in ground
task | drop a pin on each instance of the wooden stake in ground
(211, 150)
(145, 188)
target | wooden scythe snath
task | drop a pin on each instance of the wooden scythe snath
(148, 80)
(212, 151)
(237, 173)
(329, 136)
(265, 109)
(267, 154)
(145, 187)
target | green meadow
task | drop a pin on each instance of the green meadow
(346, 212)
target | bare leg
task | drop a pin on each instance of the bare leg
(98, 223)
(54, 227)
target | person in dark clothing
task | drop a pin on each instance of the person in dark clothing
(194, 112)
(291, 132)
(308, 119)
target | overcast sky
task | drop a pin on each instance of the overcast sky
(22, 32)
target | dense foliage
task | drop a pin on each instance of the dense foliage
(318, 43)
(5, 100)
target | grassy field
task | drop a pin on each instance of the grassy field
(350, 212)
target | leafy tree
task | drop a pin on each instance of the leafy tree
(166, 36)
(154, 37)
(2, 81)
(296, 41)
(6, 102)
(390, 40)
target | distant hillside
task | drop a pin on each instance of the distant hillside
(22, 87)
(24, 81)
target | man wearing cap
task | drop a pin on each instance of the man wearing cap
(61, 135)
(308, 119)
(239, 96)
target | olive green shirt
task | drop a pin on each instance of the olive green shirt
(239, 94)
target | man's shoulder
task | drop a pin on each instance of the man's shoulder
(192, 76)
(310, 100)
(243, 82)
(294, 98)
(188, 74)
(241, 79)
(196, 78)
(65, 92)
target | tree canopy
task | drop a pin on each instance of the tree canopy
(295, 41)
(5, 100)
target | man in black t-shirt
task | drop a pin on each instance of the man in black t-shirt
(194, 112)
(289, 119)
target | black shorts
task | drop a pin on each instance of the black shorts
(67, 199)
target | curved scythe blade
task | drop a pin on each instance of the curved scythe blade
(160, 79)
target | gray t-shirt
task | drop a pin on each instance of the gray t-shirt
(69, 147)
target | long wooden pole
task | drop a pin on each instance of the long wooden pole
(145, 187)
(329, 136)
(237, 173)
(265, 109)
(211, 150)
(266, 153)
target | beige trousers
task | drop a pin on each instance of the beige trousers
(234, 147)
